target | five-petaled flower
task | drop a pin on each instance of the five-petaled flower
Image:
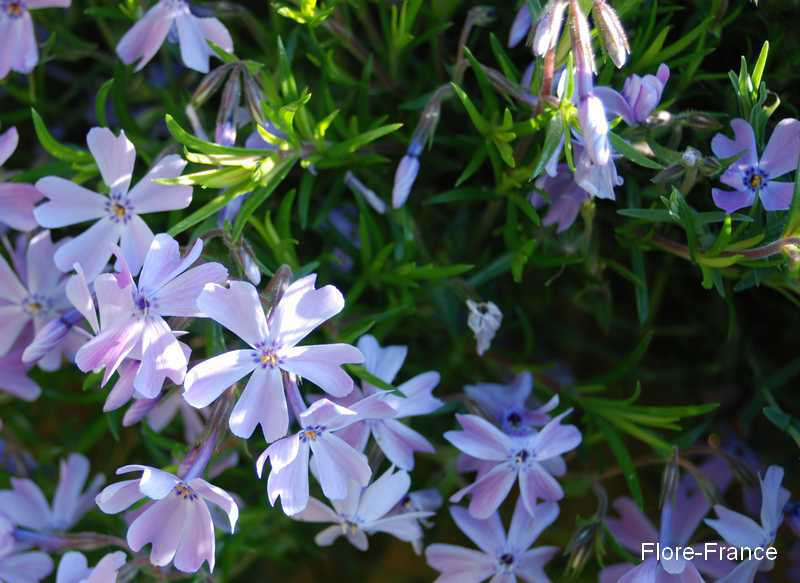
(178, 523)
(272, 349)
(336, 462)
(502, 557)
(35, 295)
(397, 441)
(118, 213)
(366, 511)
(510, 459)
(133, 324)
(750, 175)
(74, 568)
(171, 18)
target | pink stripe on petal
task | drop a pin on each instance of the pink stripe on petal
(108, 349)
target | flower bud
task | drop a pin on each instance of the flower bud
(520, 26)
(369, 195)
(226, 123)
(50, 336)
(277, 285)
(669, 481)
(210, 84)
(581, 40)
(611, 32)
(581, 547)
(251, 269)
(253, 98)
(548, 30)
(404, 178)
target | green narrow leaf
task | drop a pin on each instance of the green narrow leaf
(56, 148)
(100, 102)
(276, 176)
(208, 209)
(477, 119)
(632, 153)
(626, 464)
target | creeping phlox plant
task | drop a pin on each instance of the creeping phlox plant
(491, 292)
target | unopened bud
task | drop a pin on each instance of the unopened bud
(210, 84)
(669, 174)
(520, 26)
(369, 195)
(50, 336)
(581, 547)
(404, 178)
(611, 32)
(581, 40)
(229, 104)
(254, 97)
(669, 481)
(278, 284)
(548, 30)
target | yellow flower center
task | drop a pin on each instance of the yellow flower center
(268, 359)
(756, 180)
(118, 210)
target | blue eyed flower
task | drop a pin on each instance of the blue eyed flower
(501, 557)
(19, 51)
(751, 176)
(741, 531)
(512, 459)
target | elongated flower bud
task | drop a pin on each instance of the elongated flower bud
(404, 178)
(520, 26)
(369, 195)
(226, 123)
(253, 98)
(582, 48)
(50, 336)
(210, 84)
(548, 30)
(611, 32)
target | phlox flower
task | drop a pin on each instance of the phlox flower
(507, 405)
(173, 18)
(14, 373)
(512, 459)
(484, 320)
(177, 524)
(132, 316)
(16, 200)
(681, 514)
(366, 511)
(74, 568)
(34, 296)
(117, 213)
(741, 531)
(639, 98)
(566, 198)
(272, 348)
(502, 557)
(397, 441)
(420, 501)
(336, 462)
(18, 51)
(25, 505)
(750, 175)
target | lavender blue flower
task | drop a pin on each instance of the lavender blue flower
(502, 557)
(336, 462)
(16, 200)
(507, 405)
(178, 523)
(680, 517)
(397, 441)
(141, 43)
(520, 26)
(566, 198)
(366, 511)
(74, 568)
(19, 51)
(35, 297)
(639, 98)
(14, 378)
(750, 175)
(741, 531)
(512, 459)
(118, 213)
(548, 29)
(25, 505)
(35, 564)
(484, 320)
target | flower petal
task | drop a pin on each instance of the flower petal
(149, 196)
(8, 143)
(11, 287)
(526, 526)
(290, 484)
(136, 240)
(160, 525)
(459, 565)
(115, 157)
(194, 48)
(302, 308)
(67, 204)
(207, 380)
(382, 495)
(162, 357)
(480, 439)
(337, 463)
(72, 476)
(179, 296)
(489, 491)
(731, 201)
(744, 143)
(238, 308)
(25, 505)
(142, 42)
(737, 529)
(383, 362)
(196, 543)
(399, 442)
(119, 496)
(632, 528)
(91, 249)
(783, 149)
(321, 364)
(261, 403)
(12, 322)
(488, 534)
(216, 32)
(219, 497)
(16, 205)
(777, 196)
